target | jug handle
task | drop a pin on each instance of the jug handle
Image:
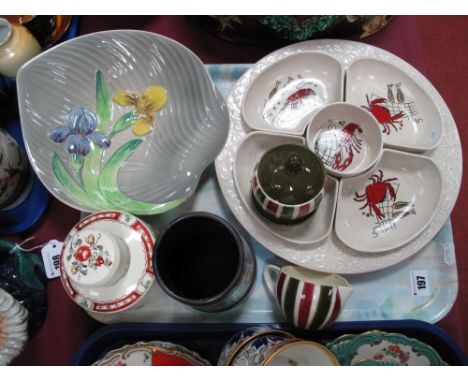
(270, 276)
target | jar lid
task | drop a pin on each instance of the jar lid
(95, 258)
(5, 30)
(291, 174)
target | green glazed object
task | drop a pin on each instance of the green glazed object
(288, 183)
(22, 274)
(291, 174)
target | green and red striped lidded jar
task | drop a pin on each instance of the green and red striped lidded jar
(288, 183)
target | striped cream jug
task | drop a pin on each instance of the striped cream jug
(308, 299)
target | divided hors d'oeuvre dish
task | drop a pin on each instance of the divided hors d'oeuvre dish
(124, 120)
(388, 187)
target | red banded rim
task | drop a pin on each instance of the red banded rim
(141, 280)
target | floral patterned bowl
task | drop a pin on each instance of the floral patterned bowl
(123, 120)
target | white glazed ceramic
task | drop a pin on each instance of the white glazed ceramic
(390, 205)
(308, 299)
(346, 138)
(312, 230)
(409, 117)
(106, 262)
(13, 328)
(331, 255)
(237, 342)
(13, 170)
(385, 347)
(124, 120)
(96, 258)
(290, 89)
(152, 353)
(301, 353)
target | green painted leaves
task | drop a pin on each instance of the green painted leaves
(92, 182)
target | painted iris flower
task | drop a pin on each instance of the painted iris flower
(80, 127)
(145, 105)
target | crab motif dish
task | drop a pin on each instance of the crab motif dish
(120, 120)
(419, 202)
(389, 205)
(409, 118)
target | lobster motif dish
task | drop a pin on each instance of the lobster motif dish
(390, 145)
(311, 230)
(291, 89)
(408, 117)
(120, 120)
(346, 138)
(389, 205)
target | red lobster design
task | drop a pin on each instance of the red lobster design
(295, 99)
(348, 142)
(382, 114)
(375, 193)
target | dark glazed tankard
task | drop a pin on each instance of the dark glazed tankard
(202, 261)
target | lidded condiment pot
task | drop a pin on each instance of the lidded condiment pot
(288, 183)
(17, 46)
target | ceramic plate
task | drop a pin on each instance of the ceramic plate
(153, 353)
(313, 229)
(331, 255)
(409, 118)
(389, 205)
(290, 89)
(120, 120)
(13, 327)
(128, 290)
(301, 353)
(385, 347)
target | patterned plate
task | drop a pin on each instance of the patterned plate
(154, 353)
(385, 347)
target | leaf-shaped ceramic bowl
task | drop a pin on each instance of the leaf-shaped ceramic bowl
(122, 120)
(408, 116)
(291, 89)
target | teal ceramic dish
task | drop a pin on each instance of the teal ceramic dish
(383, 347)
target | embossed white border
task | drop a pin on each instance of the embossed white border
(331, 255)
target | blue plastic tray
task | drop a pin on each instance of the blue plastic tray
(208, 339)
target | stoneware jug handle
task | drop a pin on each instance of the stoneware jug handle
(270, 276)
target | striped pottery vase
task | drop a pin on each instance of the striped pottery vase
(308, 299)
